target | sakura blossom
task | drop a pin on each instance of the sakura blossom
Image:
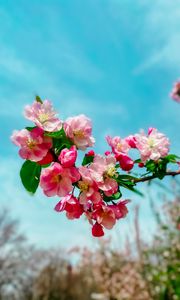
(118, 145)
(105, 216)
(175, 94)
(43, 115)
(153, 146)
(68, 157)
(71, 205)
(88, 187)
(102, 171)
(33, 144)
(57, 180)
(120, 209)
(79, 130)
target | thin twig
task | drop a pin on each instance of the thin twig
(148, 178)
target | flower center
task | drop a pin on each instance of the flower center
(151, 143)
(119, 146)
(43, 117)
(111, 171)
(78, 133)
(83, 186)
(31, 144)
(56, 178)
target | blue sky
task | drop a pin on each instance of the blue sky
(114, 60)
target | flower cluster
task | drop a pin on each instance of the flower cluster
(93, 189)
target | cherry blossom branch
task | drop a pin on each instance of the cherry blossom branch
(50, 149)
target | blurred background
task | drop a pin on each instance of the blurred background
(115, 61)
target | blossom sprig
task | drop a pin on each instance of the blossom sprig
(94, 189)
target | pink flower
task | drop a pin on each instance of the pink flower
(126, 163)
(118, 145)
(71, 205)
(154, 146)
(34, 145)
(68, 157)
(102, 170)
(97, 230)
(79, 130)
(57, 180)
(175, 94)
(120, 209)
(88, 187)
(43, 115)
(105, 216)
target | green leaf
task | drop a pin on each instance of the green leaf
(171, 158)
(87, 160)
(60, 144)
(56, 134)
(38, 99)
(151, 166)
(130, 186)
(30, 175)
(137, 161)
(125, 176)
(30, 128)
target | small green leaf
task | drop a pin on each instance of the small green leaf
(127, 177)
(130, 186)
(38, 99)
(30, 128)
(87, 160)
(151, 166)
(137, 161)
(56, 134)
(60, 144)
(30, 175)
(171, 158)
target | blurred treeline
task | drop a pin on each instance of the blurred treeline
(140, 272)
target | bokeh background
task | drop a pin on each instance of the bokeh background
(113, 60)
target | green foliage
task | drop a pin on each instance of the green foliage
(29, 128)
(30, 175)
(87, 160)
(159, 168)
(60, 140)
(38, 99)
(128, 182)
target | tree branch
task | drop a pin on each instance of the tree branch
(148, 178)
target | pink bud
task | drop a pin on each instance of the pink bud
(68, 157)
(126, 163)
(97, 230)
(90, 153)
(107, 153)
(140, 165)
(131, 140)
(46, 160)
(150, 129)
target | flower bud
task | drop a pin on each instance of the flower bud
(68, 157)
